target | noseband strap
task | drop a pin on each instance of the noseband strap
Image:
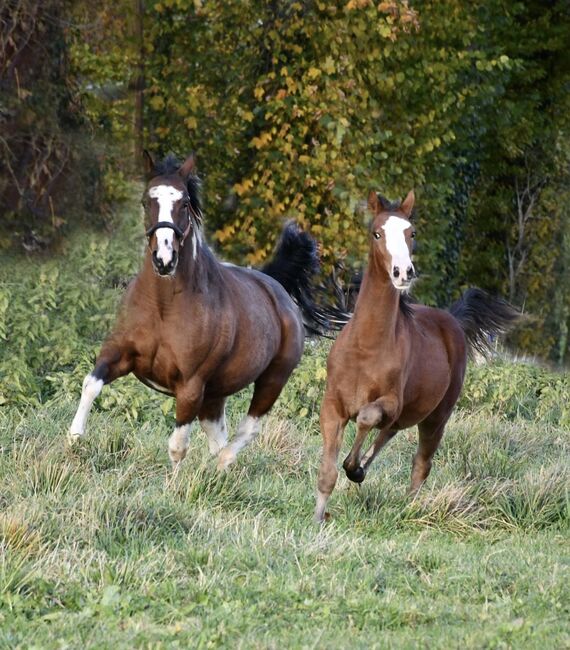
(166, 224)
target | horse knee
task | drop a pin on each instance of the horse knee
(369, 415)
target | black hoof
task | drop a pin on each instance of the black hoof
(355, 475)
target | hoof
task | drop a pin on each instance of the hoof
(355, 475)
(176, 456)
(73, 438)
(226, 458)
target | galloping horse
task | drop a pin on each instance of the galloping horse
(201, 330)
(398, 364)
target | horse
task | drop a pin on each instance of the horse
(397, 364)
(200, 330)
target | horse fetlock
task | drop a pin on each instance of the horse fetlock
(176, 455)
(226, 458)
(73, 437)
(178, 444)
(320, 507)
(214, 446)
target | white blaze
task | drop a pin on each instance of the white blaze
(396, 244)
(166, 195)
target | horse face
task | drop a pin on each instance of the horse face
(167, 204)
(393, 239)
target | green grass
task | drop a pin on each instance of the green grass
(103, 547)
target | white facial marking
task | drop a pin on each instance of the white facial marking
(166, 195)
(396, 244)
(91, 389)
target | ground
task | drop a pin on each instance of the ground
(104, 547)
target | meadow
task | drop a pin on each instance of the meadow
(102, 546)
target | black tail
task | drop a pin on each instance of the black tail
(483, 318)
(294, 264)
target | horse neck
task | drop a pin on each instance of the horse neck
(377, 309)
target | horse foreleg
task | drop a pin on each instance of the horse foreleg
(381, 440)
(188, 404)
(213, 422)
(381, 412)
(332, 429)
(110, 365)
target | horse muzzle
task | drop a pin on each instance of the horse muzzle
(164, 269)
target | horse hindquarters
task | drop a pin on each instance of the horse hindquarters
(430, 430)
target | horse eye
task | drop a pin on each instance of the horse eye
(414, 235)
(377, 235)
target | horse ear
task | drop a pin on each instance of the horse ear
(373, 202)
(408, 204)
(148, 163)
(188, 166)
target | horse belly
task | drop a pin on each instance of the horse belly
(423, 393)
(243, 366)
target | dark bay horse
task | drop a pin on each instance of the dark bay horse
(398, 364)
(200, 330)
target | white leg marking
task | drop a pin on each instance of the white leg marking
(247, 430)
(217, 433)
(320, 508)
(178, 444)
(91, 388)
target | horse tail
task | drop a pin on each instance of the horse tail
(294, 263)
(482, 318)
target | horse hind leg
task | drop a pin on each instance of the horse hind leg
(268, 387)
(430, 435)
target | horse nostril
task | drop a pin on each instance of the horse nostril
(396, 272)
(158, 263)
(410, 272)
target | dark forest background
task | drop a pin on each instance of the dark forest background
(297, 109)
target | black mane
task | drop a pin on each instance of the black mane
(169, 166)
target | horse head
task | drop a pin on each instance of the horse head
(392, 235)
(173, 213)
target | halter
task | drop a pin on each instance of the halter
(180, 234)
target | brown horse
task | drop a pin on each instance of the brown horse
(200, 330)
(398, 364)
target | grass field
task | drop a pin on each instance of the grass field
(102, 547)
